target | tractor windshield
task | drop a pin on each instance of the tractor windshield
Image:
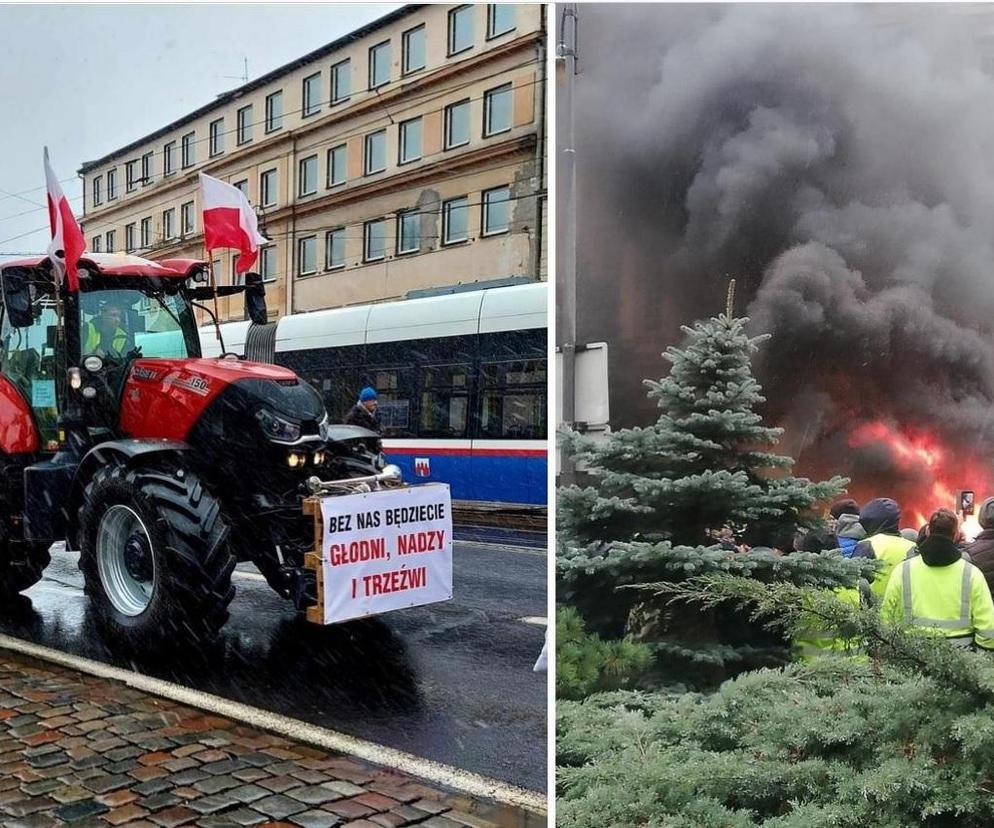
(122, 323)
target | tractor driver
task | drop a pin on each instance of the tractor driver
(105, 333)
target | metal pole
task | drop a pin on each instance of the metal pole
(566, 70)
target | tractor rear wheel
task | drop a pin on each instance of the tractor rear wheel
(154, 555)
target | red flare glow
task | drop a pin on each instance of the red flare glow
(927, 475)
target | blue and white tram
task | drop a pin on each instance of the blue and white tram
(461, 379)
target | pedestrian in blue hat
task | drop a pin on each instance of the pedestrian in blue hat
(363, 413)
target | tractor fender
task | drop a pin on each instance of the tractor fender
(126, 452)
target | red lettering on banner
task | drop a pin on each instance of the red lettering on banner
(397, 580)
(361, 550)
(420, 542)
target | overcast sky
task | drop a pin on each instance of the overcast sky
(88, 79)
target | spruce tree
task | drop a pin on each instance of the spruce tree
(708, 462)
(903, 737)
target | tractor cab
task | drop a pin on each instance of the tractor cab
(126, 309)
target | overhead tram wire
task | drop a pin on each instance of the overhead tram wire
(144, 212)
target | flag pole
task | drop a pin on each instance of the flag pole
(210, 271)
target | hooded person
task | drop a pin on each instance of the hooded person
(848, 530)
(880, 519)
(982, 549)
(363, 413)
(939, 592)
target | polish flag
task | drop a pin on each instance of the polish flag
(229, 221)
(67, 239)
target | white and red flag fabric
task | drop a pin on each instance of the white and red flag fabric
(67, 238)
(230, 221)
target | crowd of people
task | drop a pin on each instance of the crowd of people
(931, 578)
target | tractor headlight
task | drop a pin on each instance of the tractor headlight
(295, 459)
(276, 428)
(319, 458)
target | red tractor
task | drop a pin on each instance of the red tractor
(162, 468)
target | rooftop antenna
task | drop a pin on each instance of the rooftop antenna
(242, 77)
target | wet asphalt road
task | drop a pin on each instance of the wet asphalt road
(451, 682)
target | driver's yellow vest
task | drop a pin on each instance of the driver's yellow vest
(118, 341)
(953, 601)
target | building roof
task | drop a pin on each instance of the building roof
(123, 264)
(234, 94)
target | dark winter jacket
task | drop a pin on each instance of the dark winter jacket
(982, 554)
(359, 416)
(848, 532)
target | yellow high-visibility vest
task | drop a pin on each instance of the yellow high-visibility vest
(891, 549)
(118, 341)
(813, 642)
(953, 601)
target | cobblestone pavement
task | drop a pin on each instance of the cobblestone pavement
(84, 751)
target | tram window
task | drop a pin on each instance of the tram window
(394, 387)
(338, 388)
(514, 400)
(444, 401)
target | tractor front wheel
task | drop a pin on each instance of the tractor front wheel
(154, 555)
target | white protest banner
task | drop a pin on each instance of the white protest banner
(386, 550)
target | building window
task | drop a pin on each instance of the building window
(334, 249)
(131, 176)
(146, 232)
(312, 94)
(336, 165)
(460, 29)
(341, 81)
(376, 152)
(274, 111)
(186, 218)
(267, 263)
(455, 224)
(189, 142)
(414, 49)
(457, 124)
(97, 188)
(216, 137)
(169, 224)
(500, 19)
(374, 240)
(410, 140)
(409, 232)
(307, 255)
(243, 119)
(307, 176)
(95, 244)
(241, 186)
(379, 64)
(496, 211)
(267, 188)
(148, 168)
(111, 235)
(497, 110)
(111, 185)
(169, 158)
(129, 237)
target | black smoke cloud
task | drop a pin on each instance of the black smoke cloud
(839, 162)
